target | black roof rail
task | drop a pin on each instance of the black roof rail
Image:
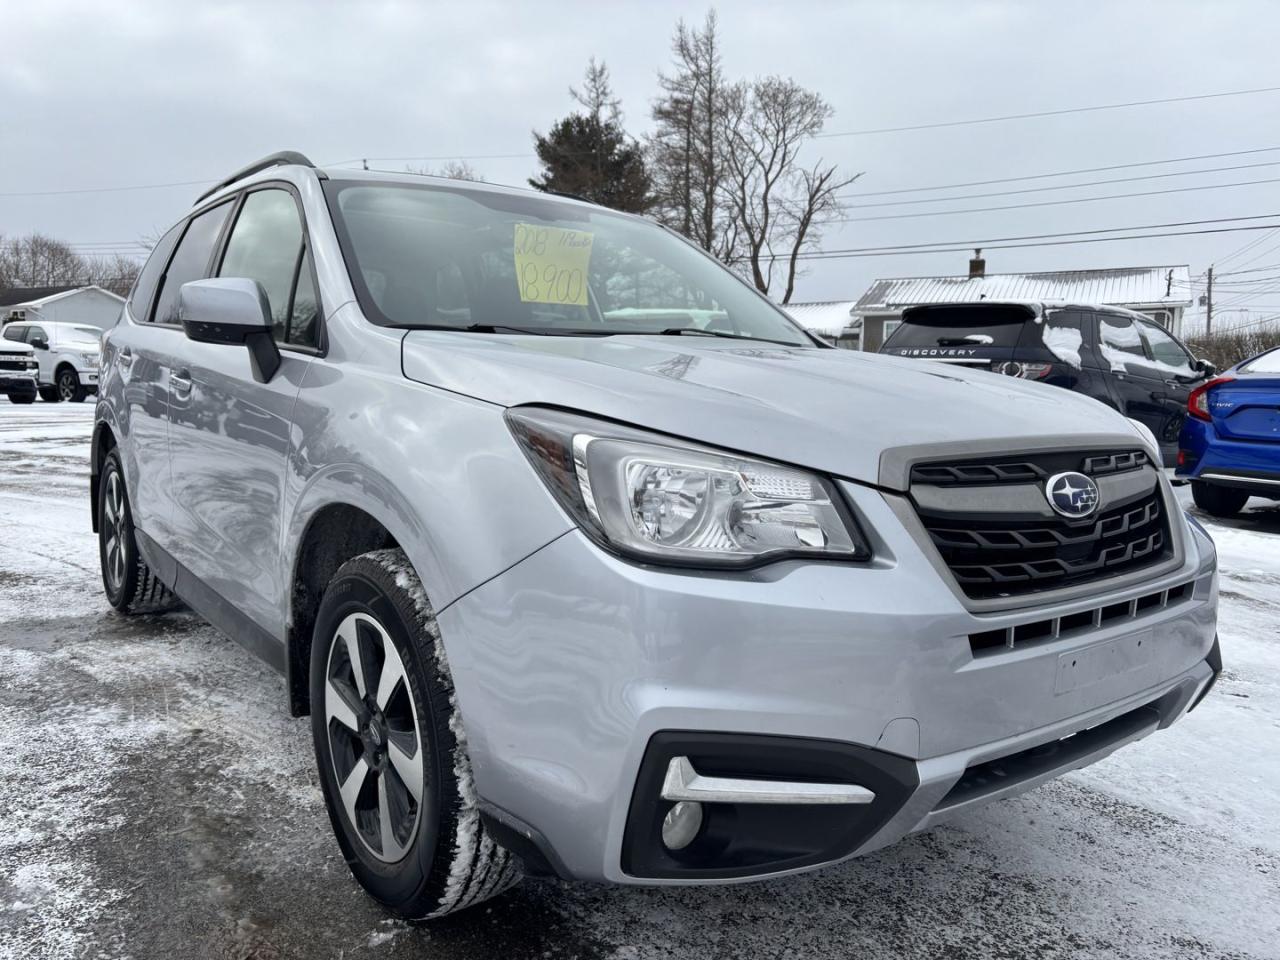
(266, 163)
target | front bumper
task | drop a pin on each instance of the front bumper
(571, 662)
(13, 381)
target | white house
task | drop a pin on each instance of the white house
(1163, 293)
(88, 305)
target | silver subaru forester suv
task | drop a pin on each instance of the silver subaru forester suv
(586, 561)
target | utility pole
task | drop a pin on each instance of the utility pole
(1208, 304)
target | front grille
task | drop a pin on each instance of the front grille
(1025, 470)
(13, 361)
(1003, 554)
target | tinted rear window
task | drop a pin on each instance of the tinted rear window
(966, 326)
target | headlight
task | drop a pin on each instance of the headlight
(660, 499)
(89, 359)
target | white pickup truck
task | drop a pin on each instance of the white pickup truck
(19, 371)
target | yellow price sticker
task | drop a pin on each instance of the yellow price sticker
(551, 264)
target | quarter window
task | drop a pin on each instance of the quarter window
(190, 261)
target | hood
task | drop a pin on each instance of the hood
(836, 411)
(15, 346)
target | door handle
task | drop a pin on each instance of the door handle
(126, 358)
(180, 384)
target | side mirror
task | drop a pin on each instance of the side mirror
(231, 310)
(40, 343)
(1206, 367)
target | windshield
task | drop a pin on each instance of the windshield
(997, 325)
(444, 257)
(1267, 363)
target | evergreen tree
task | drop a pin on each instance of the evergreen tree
(588, 154)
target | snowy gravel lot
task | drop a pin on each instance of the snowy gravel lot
(157, 801)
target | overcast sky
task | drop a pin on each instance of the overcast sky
(123, 94)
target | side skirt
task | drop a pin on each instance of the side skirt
(210, 604)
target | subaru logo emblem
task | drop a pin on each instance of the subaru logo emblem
(1073, 495)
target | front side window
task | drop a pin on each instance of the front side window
(190, 261)
(453, 258)
(267, 245)
(1166, 352)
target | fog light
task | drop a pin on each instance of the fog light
(681, 825)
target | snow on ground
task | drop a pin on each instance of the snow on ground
(157, 801)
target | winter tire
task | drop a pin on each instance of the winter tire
(391, 749)
(1218, 501)
(69, 387)
(130, 585)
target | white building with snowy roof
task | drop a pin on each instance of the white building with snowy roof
(1160, 292)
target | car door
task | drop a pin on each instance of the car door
(38, 337)
(139, 359)
(1134, 382)
(1178, 374)
(229, 435)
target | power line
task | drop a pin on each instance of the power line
(970, 244)
(1063, 186)
(1048, 113)
(1054, 203)
(1064, 173)
(1014, 246)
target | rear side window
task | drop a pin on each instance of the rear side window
(144, 288)
(962, 326)
(1120, 342)
(267, 245)
(190, 261)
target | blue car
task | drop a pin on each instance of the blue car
(1230, 443)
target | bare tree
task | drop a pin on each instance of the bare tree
(686, 150)
(597, 96)
(40, 261)
(777, 204)
(450, 169)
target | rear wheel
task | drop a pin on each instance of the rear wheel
(130, 585)
(1218, 501)
(391, 749)
(49, 394)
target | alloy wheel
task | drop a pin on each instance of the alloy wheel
(67, 385)
(113, 521)
(374, 740)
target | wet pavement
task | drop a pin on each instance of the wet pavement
(156, 801)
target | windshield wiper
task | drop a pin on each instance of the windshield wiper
(699, 332)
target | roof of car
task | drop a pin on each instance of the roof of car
(1038, 305)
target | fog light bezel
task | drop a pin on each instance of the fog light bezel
(739, 840)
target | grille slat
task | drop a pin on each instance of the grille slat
(993, 555)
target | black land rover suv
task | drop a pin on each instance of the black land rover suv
(1120, 357)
